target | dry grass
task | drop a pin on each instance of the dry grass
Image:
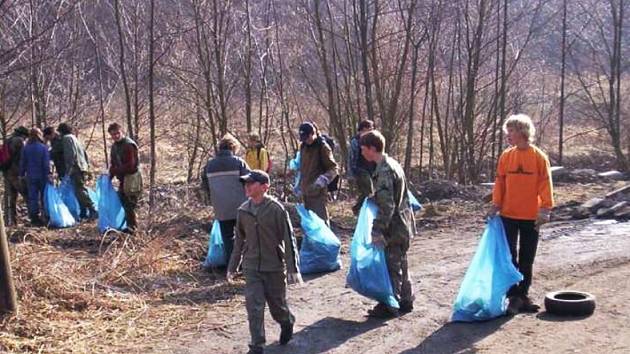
(81, 292)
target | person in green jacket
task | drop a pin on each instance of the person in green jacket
(266, 246)
(77, 167)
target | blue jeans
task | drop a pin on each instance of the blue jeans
(35, 196)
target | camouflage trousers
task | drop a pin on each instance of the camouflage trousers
(396, 255)
(269, 288)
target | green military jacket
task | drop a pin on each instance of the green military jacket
(394, 219)
(264, 238)
(74, 155)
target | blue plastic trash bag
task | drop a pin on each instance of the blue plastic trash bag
(58, 213)
(368, 273)
(294, 164)
(415, 204)
(320, 247)
(216, 252)
(488, 278)
(94, 197)
(111, 213)
(69, 197)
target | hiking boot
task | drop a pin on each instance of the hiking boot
(286, 333)
(93, 214)
(529, 306)
(405, 307)
(129, 231)
(255, 350)
(37, 222)
(383, 311)
(514, 305)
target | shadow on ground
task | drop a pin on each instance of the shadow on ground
(457, 337)
(324, 335)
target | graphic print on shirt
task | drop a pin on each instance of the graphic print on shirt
(520, 171)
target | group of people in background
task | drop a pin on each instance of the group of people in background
(28, 159)
(258, 234)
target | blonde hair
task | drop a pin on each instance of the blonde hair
(523, 124)
(228, 142)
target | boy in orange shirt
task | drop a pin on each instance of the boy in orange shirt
(523, 196)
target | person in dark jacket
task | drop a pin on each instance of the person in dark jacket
(317, 169)
(35, 168)
(124, 164)
(266, 245)
(12, 182)
(56, 151)
(77, 167)
(220, 179)
(359, 169)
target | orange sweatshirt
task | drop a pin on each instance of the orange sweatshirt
(523, 183)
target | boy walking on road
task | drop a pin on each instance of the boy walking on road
(392, 228)
(266, 245)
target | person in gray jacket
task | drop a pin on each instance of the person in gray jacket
(266, 245)
(77, 167)
(220, 179)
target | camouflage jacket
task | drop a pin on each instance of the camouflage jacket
(394, 218)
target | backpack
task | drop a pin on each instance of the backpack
(334, 184)
(5, 156)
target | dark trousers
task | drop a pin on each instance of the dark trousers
(261, 288)
(227, 234)
(525, 234)
(129, 203)
(317, 204)
(35, 197)
(78, 181)
(12, 187)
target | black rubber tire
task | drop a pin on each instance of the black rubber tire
(570, 303)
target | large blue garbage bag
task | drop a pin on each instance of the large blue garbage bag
(320, 247)
(58, 214)
(368, 273)
(111, 214)
(488, 278)
(216, 251)
(415, 204)
(69, 197)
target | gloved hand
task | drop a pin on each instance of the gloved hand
(322, 181)
(378, 240)
(492, 211)
(294, 278)
(544, 215)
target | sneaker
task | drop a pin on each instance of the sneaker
(383, 311)
(514, 305)
(529, 306)
(405, 307)
(286, 333)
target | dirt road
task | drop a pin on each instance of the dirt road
(331, 318)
